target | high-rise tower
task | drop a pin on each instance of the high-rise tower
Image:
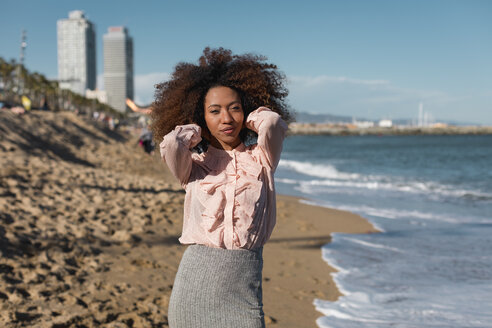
(118, 67)
(76, 53)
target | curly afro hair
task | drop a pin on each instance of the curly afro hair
(181, 99)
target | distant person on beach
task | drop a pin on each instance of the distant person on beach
(203, 116)
(146, 141)
(44, 104)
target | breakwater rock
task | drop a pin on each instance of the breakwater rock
(342, 130)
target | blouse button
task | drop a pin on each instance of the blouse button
(237, 176)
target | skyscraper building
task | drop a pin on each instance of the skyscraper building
(118, 66)
(76, 53)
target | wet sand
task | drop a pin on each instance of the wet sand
(89, 226)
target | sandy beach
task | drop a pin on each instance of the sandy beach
(89, 226)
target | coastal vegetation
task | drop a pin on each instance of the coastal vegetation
(16, 81)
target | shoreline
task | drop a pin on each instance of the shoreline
(294, 270)
(89, 228)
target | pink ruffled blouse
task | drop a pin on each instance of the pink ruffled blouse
(230, 194)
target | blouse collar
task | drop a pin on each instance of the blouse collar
(225, 153)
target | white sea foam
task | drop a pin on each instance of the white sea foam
(287, 181)
(317, 170)
(450, 307)
(334, 178)
(430, 189)
(395, 213)
(326, 254)
(373, 245)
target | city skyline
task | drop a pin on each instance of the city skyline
(368, 59)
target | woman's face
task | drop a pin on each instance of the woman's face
(224, 117)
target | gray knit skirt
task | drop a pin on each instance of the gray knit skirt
(217, 288)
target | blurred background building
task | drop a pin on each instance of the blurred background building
(118, 66)
(76, 53)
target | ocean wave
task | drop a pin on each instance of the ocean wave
(287, 181)
(395, 213)
(372, 245)
(335, 178)
(317, 170)
(434, 307)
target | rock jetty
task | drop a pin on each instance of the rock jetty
(349, 130)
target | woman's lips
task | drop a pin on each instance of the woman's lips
(228, 130)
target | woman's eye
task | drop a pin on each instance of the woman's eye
(236, 108)
(215, 111)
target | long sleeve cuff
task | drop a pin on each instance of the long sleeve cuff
(188, 136)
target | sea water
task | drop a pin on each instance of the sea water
(431, 197)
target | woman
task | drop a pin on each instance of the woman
(204, 115)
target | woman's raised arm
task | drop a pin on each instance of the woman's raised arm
(271, 129)
(176, 150)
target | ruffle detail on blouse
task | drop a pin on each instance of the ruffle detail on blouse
(212, 198)
(250, 195)
(249, 200)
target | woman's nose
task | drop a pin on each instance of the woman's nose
(226, 117)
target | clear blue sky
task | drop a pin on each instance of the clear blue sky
(372, 59)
